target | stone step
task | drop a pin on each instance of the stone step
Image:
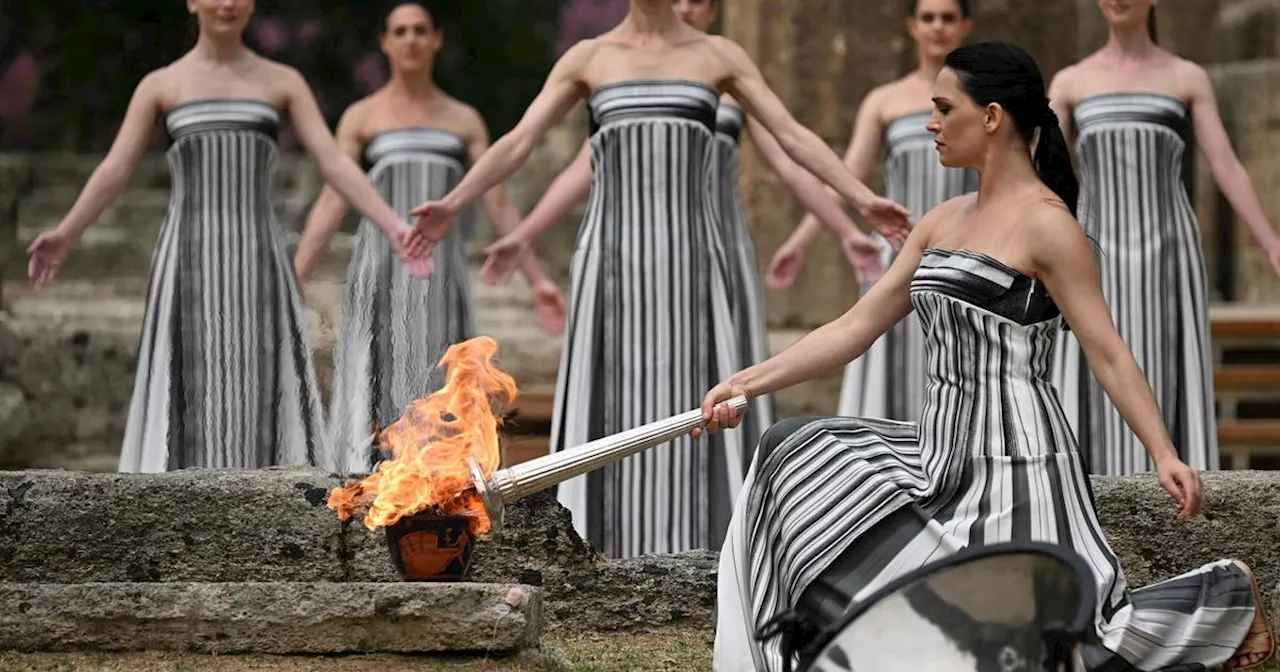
(274, 618)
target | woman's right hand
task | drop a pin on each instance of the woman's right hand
(889, 218)
(716, 414)
(432, 223)
(48, 253)
(1183, 485)
(504, 257)
(417, 265)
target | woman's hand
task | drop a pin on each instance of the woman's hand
(417, 265)
(48, 253)
(548, 303)
(1183, 484)
(863, 254)
(505, 256)
(432, 224)
(785, 265)
(715, 413)
(889, 218)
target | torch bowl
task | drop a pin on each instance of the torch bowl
(429, 546)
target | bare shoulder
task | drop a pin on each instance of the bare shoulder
(1052, 234)
(938, 220)
(576, 57)
(1192, 76)
(727, 50)
(466, 116)
(1062, 86)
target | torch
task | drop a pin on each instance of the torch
(521, 480)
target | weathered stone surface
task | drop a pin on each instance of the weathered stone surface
(190, 525)
(277, 618)
(272, 525)
(14, 414)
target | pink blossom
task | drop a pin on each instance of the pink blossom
(270, 34)
(18, 89)
(310, 30)
(370, 72)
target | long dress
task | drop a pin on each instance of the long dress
(745, 291)
(888, 380)
(836, 508)
(1134, 204)
(649, 328)
(224, 376)
(395, 327)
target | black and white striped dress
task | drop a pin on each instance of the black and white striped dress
(1134, 204)
(888, 381)
(745, 291)
(649, 327)
(224, 376)
(395, 327)
(837, 507)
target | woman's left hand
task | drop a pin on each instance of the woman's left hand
(716, 414)
(1183, 485)
(548, 303)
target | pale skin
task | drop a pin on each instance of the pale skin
(574, 183)
(1016, 219)
(651, 43)
(219, 66)
(937, 27)
(412, 99)
(1130, 61)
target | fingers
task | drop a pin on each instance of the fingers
(421, 209)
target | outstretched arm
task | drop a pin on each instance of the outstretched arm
(563, 87)
(748, 87)
(339, 169)
(112, 176)
(329, 208)
(1064, 261)
(50, 249)
(569, 188)
(1231, 177)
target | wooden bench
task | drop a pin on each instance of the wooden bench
(1252, 329)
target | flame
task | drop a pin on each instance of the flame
(431, 442)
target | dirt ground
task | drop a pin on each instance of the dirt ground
(657, 652)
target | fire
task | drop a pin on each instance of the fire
(431, 442)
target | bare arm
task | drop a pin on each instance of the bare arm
(1065, 263)
(810, 192)
(864, 146)
(747, 86)
(1231, 177)
(569, 188)
(564, 86)
(846, 338)
(339, 169)
(1060, 100)
(502, 213)
(112, 176)
(329, 208)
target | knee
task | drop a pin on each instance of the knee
(778, 432)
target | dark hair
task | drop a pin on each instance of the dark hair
(1151, 25)
(913, 5)
(397, 4)
(1002, 73)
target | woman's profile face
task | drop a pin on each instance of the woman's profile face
(411, 40)
(961, 129)
(938, 27)
(697, 13)
(222, 17)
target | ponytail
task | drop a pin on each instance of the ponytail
(1052, 160)
(1151, 26)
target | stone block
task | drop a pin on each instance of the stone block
(272, 618)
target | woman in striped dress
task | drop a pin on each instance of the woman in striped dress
(416, 142)
(1135, 108)
(835, 508)
(888, 381)
(224, 377)
(648, 317)
(746, 300)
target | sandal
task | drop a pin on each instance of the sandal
(1260, 630)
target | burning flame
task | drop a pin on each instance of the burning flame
(430, 445)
